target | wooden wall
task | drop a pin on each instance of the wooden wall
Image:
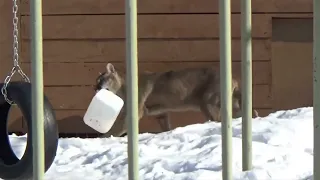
(81, 36)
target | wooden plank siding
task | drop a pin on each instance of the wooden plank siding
(81, 36)
(165, 6)
(186, 26)
(78, 74)
(148, 50)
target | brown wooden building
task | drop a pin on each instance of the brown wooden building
(81, 36)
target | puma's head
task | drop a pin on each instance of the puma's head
(109, 80)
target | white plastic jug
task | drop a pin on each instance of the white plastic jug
(103, 111)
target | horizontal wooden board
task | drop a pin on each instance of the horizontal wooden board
(164, 6)
(149, 26)
(86, 73)
(115, 51)
(72, 121)
(76, 97)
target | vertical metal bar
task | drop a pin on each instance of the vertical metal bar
(316, 88)
(225, 78)
(246, 71)
(37, 89)
(132, 90)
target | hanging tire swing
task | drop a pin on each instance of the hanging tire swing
(19, 93)
(10, 166)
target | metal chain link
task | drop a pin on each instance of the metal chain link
(16, 66)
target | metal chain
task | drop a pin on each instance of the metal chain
(16, 66)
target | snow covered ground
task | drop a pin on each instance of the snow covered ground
(282, 149)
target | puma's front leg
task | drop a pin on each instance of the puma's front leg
(119, 127)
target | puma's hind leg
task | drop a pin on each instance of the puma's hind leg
(164, 121)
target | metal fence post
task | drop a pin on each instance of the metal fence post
(225, 78)
(246, 71)
(37, 89)
(132, 89)
(316, 89)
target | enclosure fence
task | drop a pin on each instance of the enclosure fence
(37, 89)
(316, 89)
(132, 93)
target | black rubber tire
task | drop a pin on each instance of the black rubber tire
(10, 166)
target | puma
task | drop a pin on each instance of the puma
(159, 93)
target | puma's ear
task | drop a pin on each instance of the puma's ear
(110, 68)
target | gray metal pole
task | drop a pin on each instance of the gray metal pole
(225, 78)
(37, 89)
(246, 53)
(132, 90)
(316, 89)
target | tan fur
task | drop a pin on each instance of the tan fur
(195, 89)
